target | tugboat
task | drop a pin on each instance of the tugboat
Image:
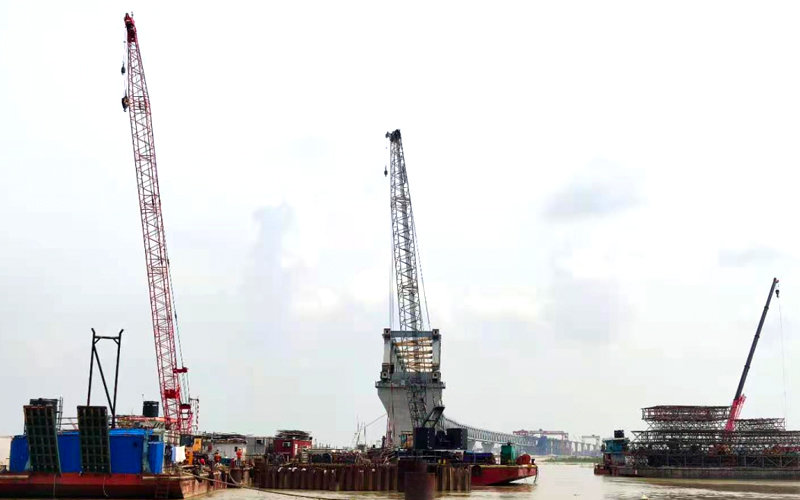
(614, 450)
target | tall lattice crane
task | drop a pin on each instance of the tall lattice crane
(414, 350)
(173, 381)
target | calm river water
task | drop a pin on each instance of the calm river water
(577, 482)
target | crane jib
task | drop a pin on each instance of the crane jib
(173, 381)
(412, 347)
(739, 398)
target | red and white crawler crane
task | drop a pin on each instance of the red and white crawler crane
(179, 408)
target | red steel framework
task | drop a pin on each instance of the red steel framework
(178, 412)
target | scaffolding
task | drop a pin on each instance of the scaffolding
(760, 424)
(695, 436)
(685, 417)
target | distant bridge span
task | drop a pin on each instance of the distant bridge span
(475, 435)
(393, 384)
(529, 444)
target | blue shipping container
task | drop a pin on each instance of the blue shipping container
(69, 451)
(131, 453)
(127, 451)
(19, 454)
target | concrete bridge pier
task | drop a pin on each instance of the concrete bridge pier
(394, 380)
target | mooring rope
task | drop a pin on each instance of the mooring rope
(254, 488)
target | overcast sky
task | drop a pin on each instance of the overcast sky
(603, 194)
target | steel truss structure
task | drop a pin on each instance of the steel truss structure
(696, 436)
(662, 417)
(760, 424)
(172, 378)
(414, 352)
(527, 442)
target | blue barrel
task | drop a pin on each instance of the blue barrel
(155, 456)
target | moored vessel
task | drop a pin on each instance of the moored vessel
(92, 485)
(86, 459)
(500, 475)
(487, 472)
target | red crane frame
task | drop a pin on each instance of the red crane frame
(178, 411)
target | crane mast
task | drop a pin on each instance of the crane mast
(413, 349)
(404, 239)
(175, 398)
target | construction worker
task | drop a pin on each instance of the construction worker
(217, 457)
(238, 456)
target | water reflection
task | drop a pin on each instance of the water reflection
(577, 482)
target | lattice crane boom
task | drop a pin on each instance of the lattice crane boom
(175, 398)
(739, 397)
(404, 239)
(413, 351)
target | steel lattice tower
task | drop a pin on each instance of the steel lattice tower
(404, 240)
(175, 398)
(412, 350)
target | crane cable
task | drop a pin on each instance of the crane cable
(391, 274)
(390, 414)
(253, 488)
(418, 256)
(184, 378)
(390, 417)
(783, 357)
(363, 427)
(421, 278)
(124, 68)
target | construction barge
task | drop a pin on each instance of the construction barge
(690, 442)
(707, 442)
(89, 460)
(138, 458)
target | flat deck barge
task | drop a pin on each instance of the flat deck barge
(501, 475)
(741, 473)
(88, 485)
